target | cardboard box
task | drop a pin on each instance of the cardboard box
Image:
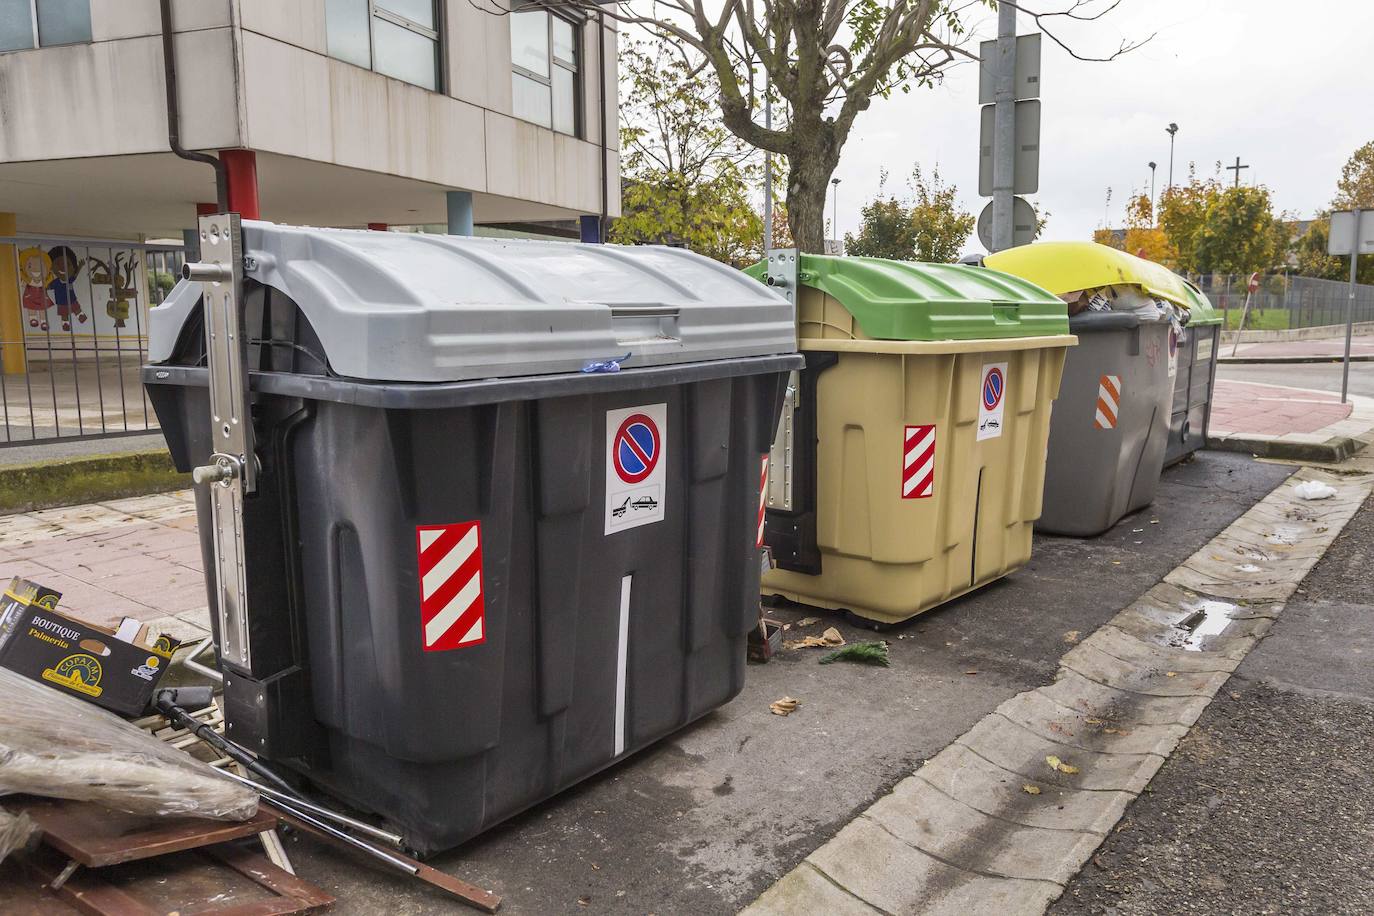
(87, 661)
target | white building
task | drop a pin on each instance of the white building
(352, 111)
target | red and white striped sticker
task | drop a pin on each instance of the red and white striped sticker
(452, 607)
(918, 463)
(763, 496)
(1108, 402)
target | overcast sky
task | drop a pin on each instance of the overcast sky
(1289, 87)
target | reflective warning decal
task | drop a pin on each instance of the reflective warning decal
(1173, 351)
(763, 496)
(992, 398)
(1108, 402)
(452, 607)
(918, 462)
(636, 455)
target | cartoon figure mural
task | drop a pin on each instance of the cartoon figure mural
(119, 277)
(35, 270)
(65, 267)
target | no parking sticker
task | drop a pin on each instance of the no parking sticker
(992, 397)
(636, 454)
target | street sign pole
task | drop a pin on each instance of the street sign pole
(1004, 129)
(1350, 306)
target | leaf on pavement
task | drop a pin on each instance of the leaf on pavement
(1030, 789)
(1057, 764)
(784, 707)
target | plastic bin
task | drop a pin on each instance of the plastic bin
(476, 574)
(1111, 425)
(910, 457)
(1198, 347)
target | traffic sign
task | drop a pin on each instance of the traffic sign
(1341, 239)
(1026, 168)
(1023, 223)
(1027, 80)
(636, 448)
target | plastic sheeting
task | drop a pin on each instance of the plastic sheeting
(15, 830)
(58, 746)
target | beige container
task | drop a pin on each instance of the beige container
(892, 541)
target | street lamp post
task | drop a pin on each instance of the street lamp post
(1152, 192)
(1171, 130)
(834, 207)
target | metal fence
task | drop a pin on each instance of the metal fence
(1284, 301)
(71, 351)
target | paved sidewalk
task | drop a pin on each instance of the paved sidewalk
(1318, 350)
(136, 557)
(1275, 421)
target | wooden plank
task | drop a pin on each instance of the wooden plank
(262, 872)
(96, 836)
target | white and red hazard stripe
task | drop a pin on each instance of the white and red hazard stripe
(763, 496)
(918, 462)
(452, 607)
(1108, 402)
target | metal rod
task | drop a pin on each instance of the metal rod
(277, 797)
(1350, 306)
(398, 862)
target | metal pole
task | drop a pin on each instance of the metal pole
(1004, 129)
(835, 208)
(1350, 306)
(767, 168)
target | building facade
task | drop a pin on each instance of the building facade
(436, 113)
(351, 111)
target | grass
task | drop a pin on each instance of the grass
(1267, 320)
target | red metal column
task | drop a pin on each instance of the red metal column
(206, 209)
(377, 227)
(241, 168)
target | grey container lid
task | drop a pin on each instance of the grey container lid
(394, 306)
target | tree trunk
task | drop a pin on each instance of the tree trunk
(808, 184)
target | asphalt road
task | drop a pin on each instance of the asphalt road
(704, 821)
(1321, 376)
(1268, 805)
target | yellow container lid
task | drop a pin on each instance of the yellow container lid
(1066, 267)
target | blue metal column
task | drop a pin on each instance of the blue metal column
(591, 228)
(460, 213)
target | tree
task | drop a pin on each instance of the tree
(928, 226)
(1240, 234)
(826, 80)
(1355, 188)
(1183, 210)
(688, 180)
(941, 226)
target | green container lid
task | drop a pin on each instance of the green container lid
(909, 300)
(1200, 309)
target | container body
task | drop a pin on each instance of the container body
(1111, 425)
(918, 498)
(589, 646)
(1192, 407)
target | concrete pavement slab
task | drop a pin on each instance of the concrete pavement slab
(1013, 747)
(896, 877)
(1157, 681)
(1037, 712)
(807, 890)
(924, 817)
(996, 791)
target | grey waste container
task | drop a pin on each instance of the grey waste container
(1110, 426)
(1198, 347)
(475, 574)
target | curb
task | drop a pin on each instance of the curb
(95, 478)
(1332, 451)
(1279, 360)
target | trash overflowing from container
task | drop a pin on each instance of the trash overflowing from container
(1111, 428)
(466, 552)
(909, 461)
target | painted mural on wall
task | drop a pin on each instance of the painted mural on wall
(89, 296)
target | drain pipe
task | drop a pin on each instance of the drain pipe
(605, 169)
(169, 68)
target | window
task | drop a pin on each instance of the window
(545, 52)
(398, 38)
(43, 23)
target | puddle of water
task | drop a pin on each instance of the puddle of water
(1207, 618)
